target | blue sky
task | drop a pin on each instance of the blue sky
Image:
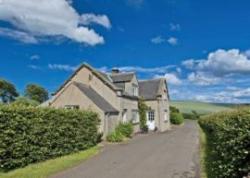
(200, 47)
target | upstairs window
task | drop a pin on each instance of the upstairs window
(72, 107)
(135, 90)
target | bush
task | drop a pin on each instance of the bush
(126, 129)
(143, 115)
(23, 101)
(192, 116)
(115, 136)
(29, 135)
(176, 118)
(121, 131)
(229, 136)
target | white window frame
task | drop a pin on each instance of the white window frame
(151, 115)
(134, 90)
(124, 116)
(165, 115)
(72, 107)
(135, 116)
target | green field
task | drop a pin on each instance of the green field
(199, 107)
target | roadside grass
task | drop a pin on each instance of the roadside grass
(205, 156)
(53, 166)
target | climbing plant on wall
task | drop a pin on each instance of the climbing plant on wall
(143, 117)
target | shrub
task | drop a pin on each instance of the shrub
(192, 116)
(29, 135)
(229, 136)
(143, 115)
(115, 136)
(23, 101)
(176, 118)
(125, 129)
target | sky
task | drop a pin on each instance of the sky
(201, 47)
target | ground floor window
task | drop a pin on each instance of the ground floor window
(135, 116)
(72, 107)
(124, 115)
(151, 115)
(165, 115)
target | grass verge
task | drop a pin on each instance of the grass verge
(205, 155)
(49, 167)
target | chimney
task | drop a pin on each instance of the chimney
(115, 71)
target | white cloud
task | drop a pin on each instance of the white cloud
(87, 19)
(158, 40)
(34, 57)
(34, 67)
(174, 27)
(162, 69)
(49, 18)
(62, 67)
(171, 79)
(222, 62)
(172, 41)
(201, 78)
(18, 35)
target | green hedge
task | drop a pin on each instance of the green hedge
(123, 130)
(229, 142)
(29, 135)
(176, 118)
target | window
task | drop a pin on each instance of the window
(151, 115)
(72, 107)
(90, 77)
(124, 115)
(135, 116)
(134, 90)
(166, 115)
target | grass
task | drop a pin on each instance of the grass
(199, 107)
(50, 167)
(205, 156)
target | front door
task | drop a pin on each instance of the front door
(151, 120)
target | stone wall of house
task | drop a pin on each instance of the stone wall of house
(71, 95)
(129, 85)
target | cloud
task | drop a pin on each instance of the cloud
(158, 40)
(201, 78)
(34, 67)
(172, 41)
(34, 20)
(153, 70)
(171, 78)
(87, 19)
(34, 57)
(62, 67)
(18, 35)
(223, 62)
(174, 27)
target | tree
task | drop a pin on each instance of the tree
(36, 92)
(143, 115)
(8, 91)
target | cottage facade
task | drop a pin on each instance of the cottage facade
(114, 97)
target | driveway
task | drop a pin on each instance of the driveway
(174, 154)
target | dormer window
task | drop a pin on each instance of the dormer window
(134, 90)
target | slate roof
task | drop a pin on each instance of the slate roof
(149, 89)
(96, 98)
(122, 77)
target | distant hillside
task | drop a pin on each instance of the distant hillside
(200, 107)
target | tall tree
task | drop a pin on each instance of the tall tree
(36, 92)
(8, 91)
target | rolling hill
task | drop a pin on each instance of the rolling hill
(200, 107)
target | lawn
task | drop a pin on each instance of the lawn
(50, 167)
(199, 107)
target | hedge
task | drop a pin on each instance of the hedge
(229, 138)
(29, 135)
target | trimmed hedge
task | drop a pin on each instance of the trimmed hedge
(29, 135)
(228, 136)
